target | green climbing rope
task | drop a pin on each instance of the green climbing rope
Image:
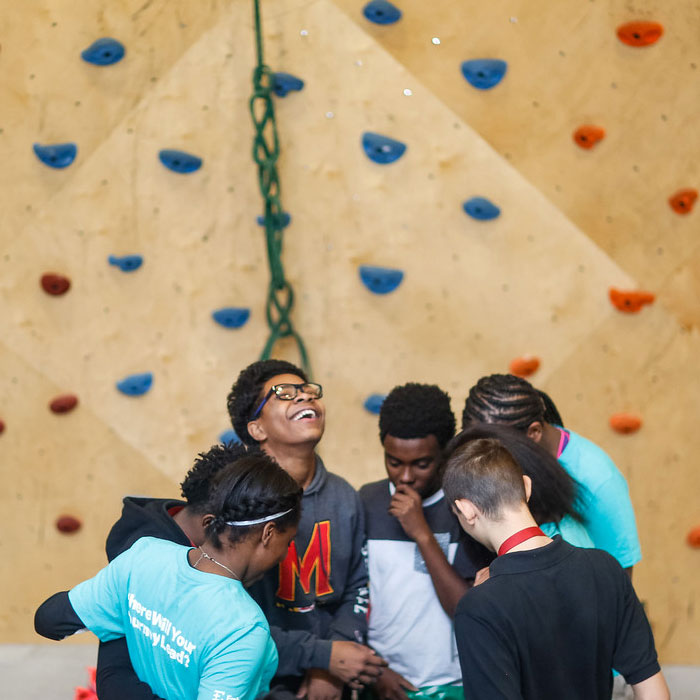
(266, 149)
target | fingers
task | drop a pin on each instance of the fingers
(303, 688)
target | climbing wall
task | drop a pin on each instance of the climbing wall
(465, 185)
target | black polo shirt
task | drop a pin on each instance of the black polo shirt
(549, 624)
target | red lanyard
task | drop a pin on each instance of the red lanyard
(519, 537)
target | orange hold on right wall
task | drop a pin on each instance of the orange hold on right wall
(588, 135)
(693, 538)
(683, 201)
(640, 33)
(630, 302)
(625, 423)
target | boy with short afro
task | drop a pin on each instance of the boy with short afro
(419, 566)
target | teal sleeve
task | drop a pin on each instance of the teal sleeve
(240, 668)
(100, 602)
(610, 521)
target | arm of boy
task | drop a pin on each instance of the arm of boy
(116, 678)
(407, 507)
(653, 688)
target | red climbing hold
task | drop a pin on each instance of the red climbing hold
(588, 136)
(64, 404)
(640, 33)
(2, 427)
(630, 302)
(55, 284)
(625, 423)
(67, 524)
(683, 201)
(524, 366)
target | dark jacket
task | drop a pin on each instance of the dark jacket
(319, 593)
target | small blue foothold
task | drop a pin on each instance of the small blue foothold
(285, 220)
(373, 403)
(381, 12)
(179, 161)
(484, 73)
(59, 155)
(481, 208)
(284, 83)
(380, 280)
(229, 437)
(104, 52)
(231, 316)
(136, 384)
(382, 149)
(126, 263)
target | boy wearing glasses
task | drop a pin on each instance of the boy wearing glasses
(316, 599)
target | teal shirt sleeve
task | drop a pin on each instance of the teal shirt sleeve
(610, 521)
(100, 602)
(241, 669)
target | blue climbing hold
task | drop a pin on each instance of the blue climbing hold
(231, 316)
(373, 403)
(179, 161)
(283, 83)
(380, 280)
(229, 437)
(136, 384)
(381, 12)
(104, 52)
(481, 208)
(59, 155)
(484, 73)
(285, 220)
(382, 149)
(126, 263)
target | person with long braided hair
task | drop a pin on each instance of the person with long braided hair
(192, 630)
(606, 507)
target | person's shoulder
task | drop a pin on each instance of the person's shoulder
(589, 448)
(481, 601)
(337, 484)
(374, 490)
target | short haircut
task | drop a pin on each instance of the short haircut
(555, 494)
(197, 484)
(416, 411)
(245, 393)
(485, 473)
(508, 400)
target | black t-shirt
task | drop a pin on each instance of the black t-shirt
(549, 624)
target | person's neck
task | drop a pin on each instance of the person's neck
(550, 438)
(511, 522)
(229, 561)
(299, 461)
(191, 524)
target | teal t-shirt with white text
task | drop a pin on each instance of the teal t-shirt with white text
(191, 635)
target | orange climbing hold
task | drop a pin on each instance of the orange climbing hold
(631, 301)
(640, 33)
(588, 136)
(683, 201)
(64, 404)
(524, 366)
(68, 524)
(694, 537)
(625, 423)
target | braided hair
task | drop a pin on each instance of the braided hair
(508, 400)
(246, 392)
(555, 494)
(416, 411)
(196, 485)
(252, 487)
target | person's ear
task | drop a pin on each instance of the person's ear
(467, 510)
(527, 481)
(267, 533)
(534, 431)
(256, 431)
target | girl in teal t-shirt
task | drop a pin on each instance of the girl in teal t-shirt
(192, 630)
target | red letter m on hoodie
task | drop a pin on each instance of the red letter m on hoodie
(317, 556)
